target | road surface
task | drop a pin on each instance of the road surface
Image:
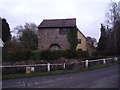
(99, 78)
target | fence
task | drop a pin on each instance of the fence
(30, 68)
(103, 60)
(13, 69)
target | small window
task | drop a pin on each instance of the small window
(79, 41)
(63, 31)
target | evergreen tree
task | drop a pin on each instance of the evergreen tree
(110, 36)
(102, 40)
(6, 36)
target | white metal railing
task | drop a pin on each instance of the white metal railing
(104, 61)
(33, 65)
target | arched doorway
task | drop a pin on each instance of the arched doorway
(54, 47)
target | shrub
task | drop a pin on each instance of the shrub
(95, 53)
(50, 55)
(56, 54)
(83, 54)
(23, 54)
(16, 55)
(35, 55)
(106, 53)
(70, 54)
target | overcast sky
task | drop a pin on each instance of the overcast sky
(89, 14)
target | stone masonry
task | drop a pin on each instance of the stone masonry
(51, 36)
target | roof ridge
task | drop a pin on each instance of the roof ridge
(47, 23)
(59, 19)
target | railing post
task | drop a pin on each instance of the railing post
(104, 62)
(116, 58)
(64, 65)
(48, 67)
(86, 64)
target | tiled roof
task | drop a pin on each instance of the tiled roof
(52, 23)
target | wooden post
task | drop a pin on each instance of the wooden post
(32, 69)
(48, 65)
(116, 58)
(64, 65)
(86, 64)
(28, 69)
(104, 62)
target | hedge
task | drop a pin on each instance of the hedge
(45, 55)
(53, 55)
(35, 55)
(20, 55)
(16, 55)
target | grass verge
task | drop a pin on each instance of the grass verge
(15, 76)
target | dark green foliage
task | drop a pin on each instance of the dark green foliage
(109, 42)
(45, 55)
(83, 54)
(96, 55)
(107, 45)
(28, 35)
(54, 55)
(70, 54)
(21, 55)
(36, 55)
(16, 55)
(13, 45)
(29, 40)
(6, 36)
(50, 55)
(102, 40)
(72, 38)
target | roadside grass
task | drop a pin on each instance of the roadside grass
(37, 74)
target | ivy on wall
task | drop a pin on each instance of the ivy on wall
(72, 38)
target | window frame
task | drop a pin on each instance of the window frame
(63, 31)
(79, 41)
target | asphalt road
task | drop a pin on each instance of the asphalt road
(99, 78)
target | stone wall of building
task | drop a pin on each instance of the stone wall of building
(51, 36)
